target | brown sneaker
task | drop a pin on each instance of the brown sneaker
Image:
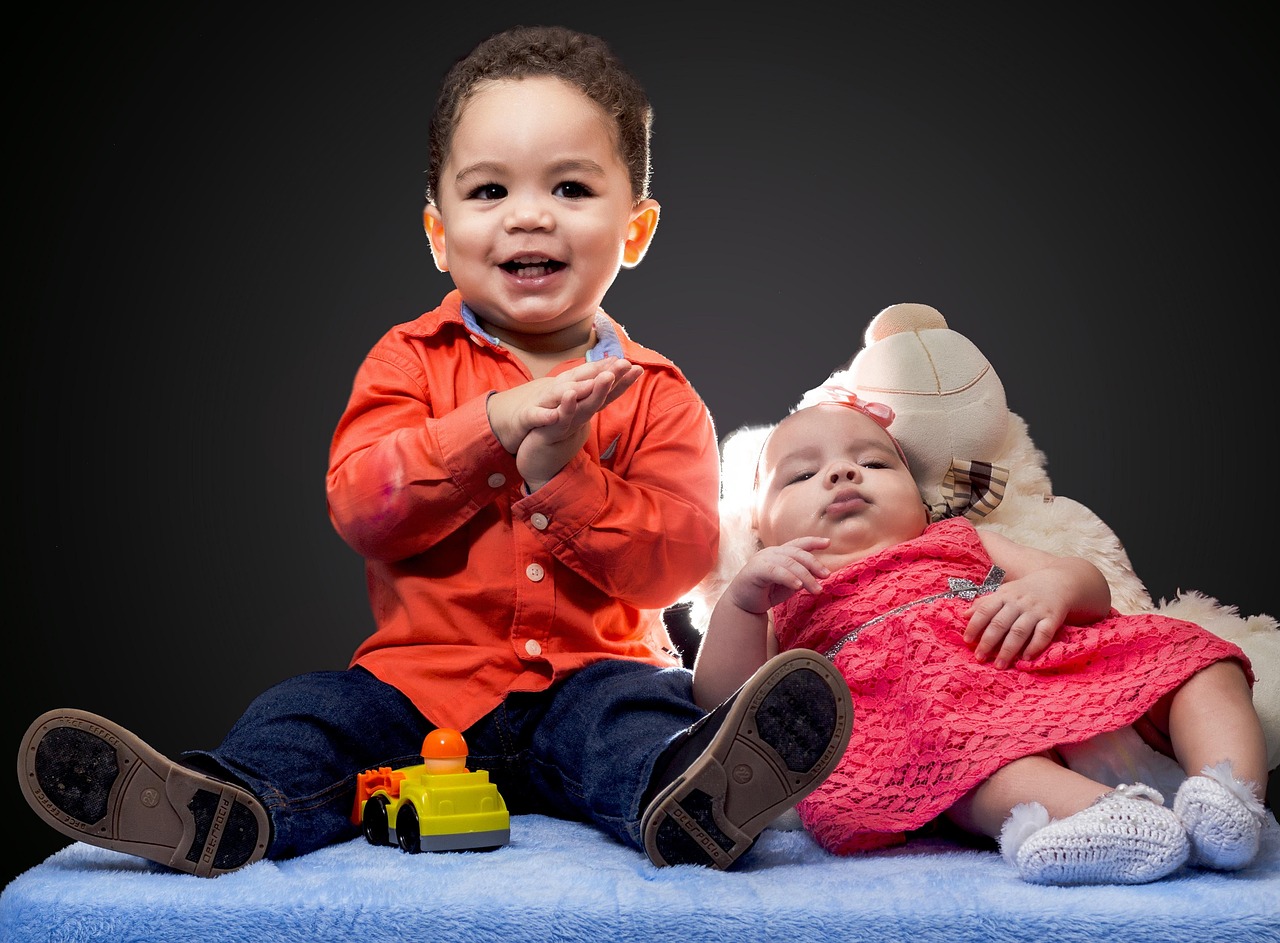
(96, 782)
(748, 761)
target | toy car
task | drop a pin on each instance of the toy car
(438, 805)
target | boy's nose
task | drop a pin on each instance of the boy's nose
(529, 214)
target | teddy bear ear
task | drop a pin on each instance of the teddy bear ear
(903, 317)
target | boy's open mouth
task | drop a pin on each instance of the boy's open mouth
(528, 267)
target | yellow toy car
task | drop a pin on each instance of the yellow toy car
(438, 805)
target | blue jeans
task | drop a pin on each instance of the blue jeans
(582, 750)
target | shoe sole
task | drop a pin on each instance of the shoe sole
(96, 782)
(783, 735)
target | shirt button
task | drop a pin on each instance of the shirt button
(532, 647)
(535, 572)
(497, 480)
(539, 520)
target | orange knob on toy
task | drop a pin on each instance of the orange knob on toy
(444, 743)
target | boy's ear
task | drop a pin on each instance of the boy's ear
(644, 220)
(434, 227)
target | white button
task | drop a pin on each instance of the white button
(539, 520)
(497, 480)
(532, 647)
(534, 571)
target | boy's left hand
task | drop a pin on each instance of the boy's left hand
(549, 446)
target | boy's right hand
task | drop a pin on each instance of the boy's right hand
(545, 422)
(775, 574)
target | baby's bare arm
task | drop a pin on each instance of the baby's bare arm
(739, 639)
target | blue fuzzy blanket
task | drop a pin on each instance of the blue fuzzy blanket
(560, 881)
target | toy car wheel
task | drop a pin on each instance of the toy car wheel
(374, 821)
(408, 833)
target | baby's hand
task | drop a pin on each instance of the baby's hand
(549, 445)
(1018, 620)
(775, 574)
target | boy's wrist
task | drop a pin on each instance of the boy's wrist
(488, 414)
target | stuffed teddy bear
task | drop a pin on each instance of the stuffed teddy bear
(971, 455)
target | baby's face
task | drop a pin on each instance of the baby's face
(830, 471)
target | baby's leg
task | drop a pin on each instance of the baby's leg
(1211, 718)
(984, 809)
(1059, 827)
(1217, 738)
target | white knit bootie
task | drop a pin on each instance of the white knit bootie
(1125, 837)
(1222, 817)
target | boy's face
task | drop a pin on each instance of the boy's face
(535, 216)
(830, 471)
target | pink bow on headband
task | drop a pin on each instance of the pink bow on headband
(839, 396)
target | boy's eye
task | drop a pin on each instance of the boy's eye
(488, 191)
(571, 190)
(799, 477)
(874, 463)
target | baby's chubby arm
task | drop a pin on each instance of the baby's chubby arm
(738, 638)
(546, 421)
(1041, 593)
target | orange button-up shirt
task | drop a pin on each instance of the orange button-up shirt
(479, 589)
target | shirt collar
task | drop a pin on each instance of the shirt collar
(608, 344)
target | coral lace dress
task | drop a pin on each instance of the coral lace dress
(930, 721)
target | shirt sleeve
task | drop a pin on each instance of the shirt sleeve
(401, 479)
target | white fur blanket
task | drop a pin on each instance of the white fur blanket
(560, 881)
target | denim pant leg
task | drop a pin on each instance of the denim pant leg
(585, 750)
(300, 744)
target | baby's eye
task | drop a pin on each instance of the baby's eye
(488, 191)
(799, 476)
(874, 463)
(572, 190)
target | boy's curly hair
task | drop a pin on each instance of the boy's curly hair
(583, 60)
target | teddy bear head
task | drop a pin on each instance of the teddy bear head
(963, 444)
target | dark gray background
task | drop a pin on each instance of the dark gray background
(213, 212)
